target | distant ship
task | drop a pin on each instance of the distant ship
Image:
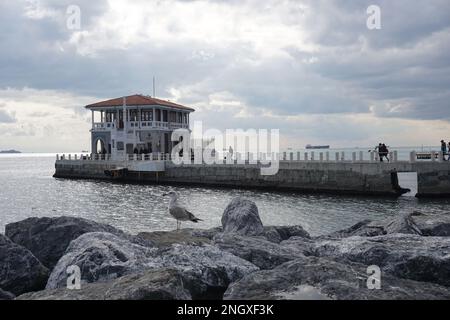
(308, 146)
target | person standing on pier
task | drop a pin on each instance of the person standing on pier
(443, 149)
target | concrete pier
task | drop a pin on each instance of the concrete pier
(339, 176)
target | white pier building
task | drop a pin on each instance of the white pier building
(135, 124)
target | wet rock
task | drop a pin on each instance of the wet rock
(433, 225)
(160, 284)
(401, 223)
(104, 256)
(241, 216)
(48, 238)
(5, 295)
(279, 233)
(20, 270)
(312, 278)
(404, 255)
(257, 250)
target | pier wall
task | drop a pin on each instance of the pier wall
(340, 176)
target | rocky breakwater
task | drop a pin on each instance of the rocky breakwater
(242, 259)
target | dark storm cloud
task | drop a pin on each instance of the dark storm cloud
(398, 71)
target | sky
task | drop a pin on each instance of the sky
(312, 69)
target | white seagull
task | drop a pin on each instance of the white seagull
(178, 211)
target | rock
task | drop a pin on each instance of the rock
(167, 238)
(104, 256)
(158, 284)
(5, 295)
(241, 216)
(48, 238)
(404, 255)
(262, 253)
(312, 278)
(433, 225)
(401, 223)
(279, 233)
(20, 270)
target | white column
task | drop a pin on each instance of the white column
(154, 116)
(354, 156)
(361, 156)
(412, 156)
(92, 119)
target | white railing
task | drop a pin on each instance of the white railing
(354, 157)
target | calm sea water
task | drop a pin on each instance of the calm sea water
(28, 189)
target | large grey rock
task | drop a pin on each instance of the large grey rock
(433, 224)
(404, 255)
(5, 295)
(48, 238)
(159, 284)
(20, 270)
(167, 238)
(279, 233)
(241, 216)
(400, 223)
(104, 256)
(257, 250)
(312, 278)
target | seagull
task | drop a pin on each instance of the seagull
(179, 212)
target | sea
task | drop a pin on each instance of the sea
(27, 189)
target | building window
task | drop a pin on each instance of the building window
(133, 115)
(147, 115)
(120, 145)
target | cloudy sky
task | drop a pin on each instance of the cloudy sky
(309, 68)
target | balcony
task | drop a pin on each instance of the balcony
(141, 125)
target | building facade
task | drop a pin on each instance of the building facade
(135, 124)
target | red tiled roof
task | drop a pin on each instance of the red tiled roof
(138, 100)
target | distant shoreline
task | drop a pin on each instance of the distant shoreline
(9, 151)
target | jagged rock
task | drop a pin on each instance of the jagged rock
(401, 223)
(279, 233)
(20, 270)
(48, 238)
(404, 255)
(257, 250)
(160, 284)
(312, 278)
(167, 238)
(5, 295)
(432, 224)
(104, 256)
(241, 216)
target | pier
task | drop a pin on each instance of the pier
(309, 172)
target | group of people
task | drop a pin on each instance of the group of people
(445, 148)
(142, 150)
(383, 152)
